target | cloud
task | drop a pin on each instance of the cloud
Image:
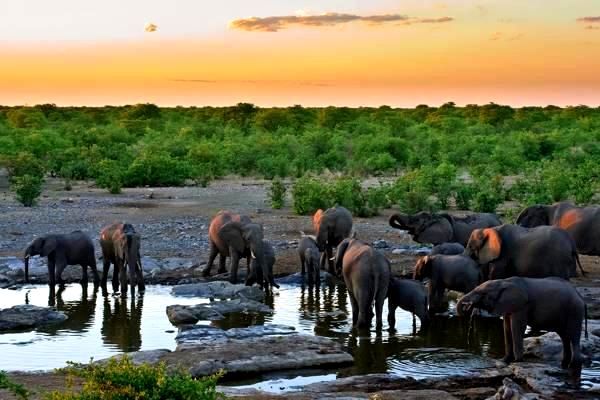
(194, 80)
(150, 27)
(592, 27)
(277, 23)
(504, 36)
(589, 20)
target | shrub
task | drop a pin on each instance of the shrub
(27, 189)
(463, 195)
(15, 388)
(309, 194)
(489, 194)
(110, 176)
(277, 194)
(25, 163)
(121, 379)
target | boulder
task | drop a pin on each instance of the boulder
(511, 391)
(549, 347)
(27, 316)
(219, 290)
(215, 310)
(204, 335)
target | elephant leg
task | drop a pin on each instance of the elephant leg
(518, 325)
(123, 278)
(115, 276)
(211, 259)
(140, 276)
(379, 300)
(51, 272)
(391, 315)
(576, 357)
(95, 273)
(302, 264)
(354, 305)
(365, 312)
(105, 268)
(235, 261)
(566, 356)
(84, 274)
(508, 342)
(60, 267)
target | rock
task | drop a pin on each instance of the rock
(511, 391)
(219, 290)
(380, 244)
(141, 357)
(28, 316)
(399, 251)
(215, 310)
(248, 350)
(541, 378)
(549, 346)
(203, 335)
(299, 279)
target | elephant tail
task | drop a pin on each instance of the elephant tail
(579, 263)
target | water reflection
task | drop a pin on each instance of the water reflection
(80, 312)
(122, 326)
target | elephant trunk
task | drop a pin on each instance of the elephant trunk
(26, 256)
(466, 303)
(400, 221)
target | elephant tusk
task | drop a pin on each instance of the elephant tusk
(332, 258)
(26, 257)
(252, 254)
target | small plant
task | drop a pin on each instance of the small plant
(463, 195)
(67, 174)
(18, 390)
(27, 188)
(277, 194)
(121, 379)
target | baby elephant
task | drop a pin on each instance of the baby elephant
(309, 259)
(409, 295)
(447, 249)
(455, 272)
(263, 276)
(366, 273)
(550, 304)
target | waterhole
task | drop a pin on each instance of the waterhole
(99, 327)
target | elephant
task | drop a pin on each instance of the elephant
(550, 304)
(120, 245)
(453, 272)
(236, 236)
(331, 227)
(583, 223)
(75, 248)
(437, 228)
(447, 249)
(409, 295)
(511, 250)
(309, 259)
(263, 276)
(366, 273)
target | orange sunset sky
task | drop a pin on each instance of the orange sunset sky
(314, 53)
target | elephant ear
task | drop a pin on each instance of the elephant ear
(490, 247)
(438, 231)
(511, 298)
(231, 233)
(423, 268)
(317, 220)
(533, 216)
(48, 247)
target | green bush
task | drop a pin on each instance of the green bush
(309, 194)
(24, 163)
(27, 189)
(15, 388)
(463, 195)
(121, 379)
(489, 194)
(110, 176)
(277, 194)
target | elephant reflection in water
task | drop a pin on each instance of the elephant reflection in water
(120, 326)
(370, 355)
(80, 312)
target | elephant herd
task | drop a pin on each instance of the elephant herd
(520, 271)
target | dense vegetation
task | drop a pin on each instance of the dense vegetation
(554, 151)
(121, 379)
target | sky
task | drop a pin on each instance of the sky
(308, 52)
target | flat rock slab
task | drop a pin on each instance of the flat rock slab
(203, 335)
(213, 311)
(219, 290)
(248, 350)
(28, 316)
(549, 346)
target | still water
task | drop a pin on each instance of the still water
(99, 327)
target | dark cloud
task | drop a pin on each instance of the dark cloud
(277, 23)
(589, 20)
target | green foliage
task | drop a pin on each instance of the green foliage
(121, 379)
(16, 389)
(277, 194)
(110, 176)
(463, 195)
(309, 194)
(489, 193)
(27, 188)
(24, 163)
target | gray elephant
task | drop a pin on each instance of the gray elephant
(453, 272)
(233, 244)
(331, 227)
(511, 250)
(583, 223)
(437, 228)
(75, 248)
(550, 304)
(367, 274)
(308, 251)
(409, 295)
(447, 249)
(120, 245)
(263, 275)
